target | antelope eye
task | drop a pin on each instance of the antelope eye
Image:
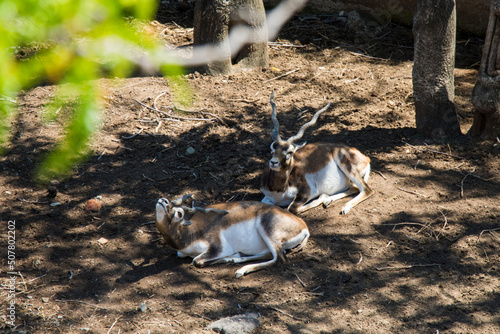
(179, 214)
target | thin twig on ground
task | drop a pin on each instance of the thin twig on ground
(201, 111)
(303, 284)
(301, 113)
(285, 313)
(366, 56)
(287, 45)
(134, 135)
(202, 316)
(462, 185)
(489, 231)
(23, 281)
(32, 202)
(412, 192)
(157, 97)
(114, 323)
(175, 116)
(379, 173)
(245, 100)
(444, 225)
(433, 151)
(31, 280)
(160, 123)
(79, 301)
(408, 267)
(282, 75)
(412, 223)
(360, 258)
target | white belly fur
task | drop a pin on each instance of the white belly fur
(243, 238)
(194, 249)
(280, 199)
(329, 180)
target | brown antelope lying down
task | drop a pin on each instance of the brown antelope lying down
(230, 232)
(304, 176)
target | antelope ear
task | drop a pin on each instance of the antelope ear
(299, 146)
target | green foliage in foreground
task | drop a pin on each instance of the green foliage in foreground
(82, 40)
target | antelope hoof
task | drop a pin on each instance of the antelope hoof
(199, 264)
(345, 210)
(239, 273)
(327, 202)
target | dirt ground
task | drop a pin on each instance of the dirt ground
(421, 256)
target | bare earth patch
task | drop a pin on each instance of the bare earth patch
(421, 256)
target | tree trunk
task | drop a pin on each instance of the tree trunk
(434, 27)
(213, 20)
(486, 93)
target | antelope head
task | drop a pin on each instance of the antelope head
(174, 212)
(282, 150)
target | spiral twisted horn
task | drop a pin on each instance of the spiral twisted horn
(308, 124)
(275, 134)
(182, 199)
(195, 209)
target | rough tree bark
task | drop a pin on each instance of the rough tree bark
(486, 93)
(434, 27)
(213, 20)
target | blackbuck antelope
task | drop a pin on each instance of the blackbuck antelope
(302, 176)
(230, 232)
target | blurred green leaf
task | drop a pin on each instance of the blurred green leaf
(73, 43)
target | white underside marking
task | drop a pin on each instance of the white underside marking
(194, 249)
(241, 242)
(280, 199)
(242, 238)
(294, 242)
(329, 180)
(365, 173)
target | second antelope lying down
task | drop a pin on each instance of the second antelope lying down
(230, 232)
(302, 176)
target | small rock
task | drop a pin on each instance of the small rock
(238, 324)
(190, 151)
(143, 307)
(55, 204)
(102, 241)
(45, 299)
(93, 205)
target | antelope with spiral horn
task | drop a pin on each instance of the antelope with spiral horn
(301, 176)
(230, 232)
